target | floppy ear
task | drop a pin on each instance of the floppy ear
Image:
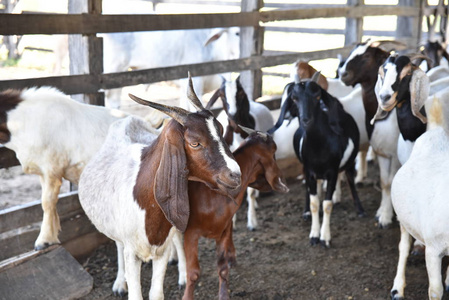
(419, 91)
(170, 184)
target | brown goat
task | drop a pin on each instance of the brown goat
(304, 70)
(211, 213)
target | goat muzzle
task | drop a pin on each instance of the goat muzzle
(229, 185)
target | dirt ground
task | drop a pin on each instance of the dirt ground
(277, 262)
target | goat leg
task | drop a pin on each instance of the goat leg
(225, 259)
(192, 264)
(350, 173)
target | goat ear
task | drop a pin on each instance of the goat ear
(419, 92)
(170, 186)
(215, 36)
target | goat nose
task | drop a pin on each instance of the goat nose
(385, 98)
(235, 177)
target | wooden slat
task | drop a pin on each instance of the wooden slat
(51, 275)
(88, 83)
(29, 213)
(8, 158)
(335, 12)
(91, 24)
(22, 239)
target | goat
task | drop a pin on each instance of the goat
(435, 51)
(144, 50)
(247, 113)
(402, 85)
(52, 146)
(135, 189)
(327, 143)
(362, 67)
(420, 200)
(256, 159)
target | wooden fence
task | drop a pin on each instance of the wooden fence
(19, 226)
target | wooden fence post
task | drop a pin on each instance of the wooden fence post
(409, 28)
(251, 44)
(86, 52)
(354, 27)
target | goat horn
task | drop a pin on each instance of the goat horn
(315, 76)
(177, 113)
(192, 96)
(297, 79)
(249, 131)
(388, 45)
(414, 56)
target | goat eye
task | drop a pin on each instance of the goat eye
(195, 145)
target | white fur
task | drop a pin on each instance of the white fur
(106, 195)
(145, 50)
(231, 163)
(419, 194)
(347, 153)
(357, 51)
(55, 137)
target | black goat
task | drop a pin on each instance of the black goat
(326, 143)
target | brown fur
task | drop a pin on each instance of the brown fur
(9, 99)
(211, 213)
(304, 70)
(161, 184)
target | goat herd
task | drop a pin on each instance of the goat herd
(143, 186)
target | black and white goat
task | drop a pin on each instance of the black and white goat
(326, 143)
(246, 113)
(404, 86)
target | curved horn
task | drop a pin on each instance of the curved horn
(297, 79)
(246, 129)
(192, 96)
(176, 113)
(213, 98)
(414, 56)
(388, 45)
(316, 76)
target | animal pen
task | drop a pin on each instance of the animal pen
(19, 226)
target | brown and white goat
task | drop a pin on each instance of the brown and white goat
(211, 213)
(134, 190)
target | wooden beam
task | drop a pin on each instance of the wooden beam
(31, 212)
(354, 26)
(91, 24)
(91, 83)
(335, 12)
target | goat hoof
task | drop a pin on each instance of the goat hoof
(42, 246)
(252, 229)
(307, 216)
(314, 241)
(121, 293)
(181, 286)
(325, 244)
(395, 295)
(419, 250)
(173, 262)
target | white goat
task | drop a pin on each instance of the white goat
(144, 50)
(134, 189)
(54, 137)
(247, 113)
(419, 195)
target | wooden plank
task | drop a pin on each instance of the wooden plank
(88, 83)
(8, 158)
(22, 239)
(354, 26)
(91, 24)
(335, 12)
(29, 213)
(51, 275)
